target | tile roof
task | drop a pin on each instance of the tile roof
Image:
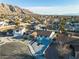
(44, 33)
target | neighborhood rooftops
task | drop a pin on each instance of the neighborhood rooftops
(66, 38)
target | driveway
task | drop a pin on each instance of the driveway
(51, 52)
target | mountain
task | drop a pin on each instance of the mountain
(72, 14)
(9, 9)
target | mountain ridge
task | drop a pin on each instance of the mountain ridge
(10, 9)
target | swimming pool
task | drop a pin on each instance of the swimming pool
(43, 42)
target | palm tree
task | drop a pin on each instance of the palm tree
(64, 50)
(62, 24)
(17, 21)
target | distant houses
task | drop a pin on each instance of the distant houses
(72, 27)
(2, 23)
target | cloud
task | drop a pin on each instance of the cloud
(58, 10)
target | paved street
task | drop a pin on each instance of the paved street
(51, 52)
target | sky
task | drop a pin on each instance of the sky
(48, 7)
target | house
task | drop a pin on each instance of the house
(37, 27)
(40, 27)
(19, 32)
(2, 23)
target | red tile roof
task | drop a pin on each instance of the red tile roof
(43, 32)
